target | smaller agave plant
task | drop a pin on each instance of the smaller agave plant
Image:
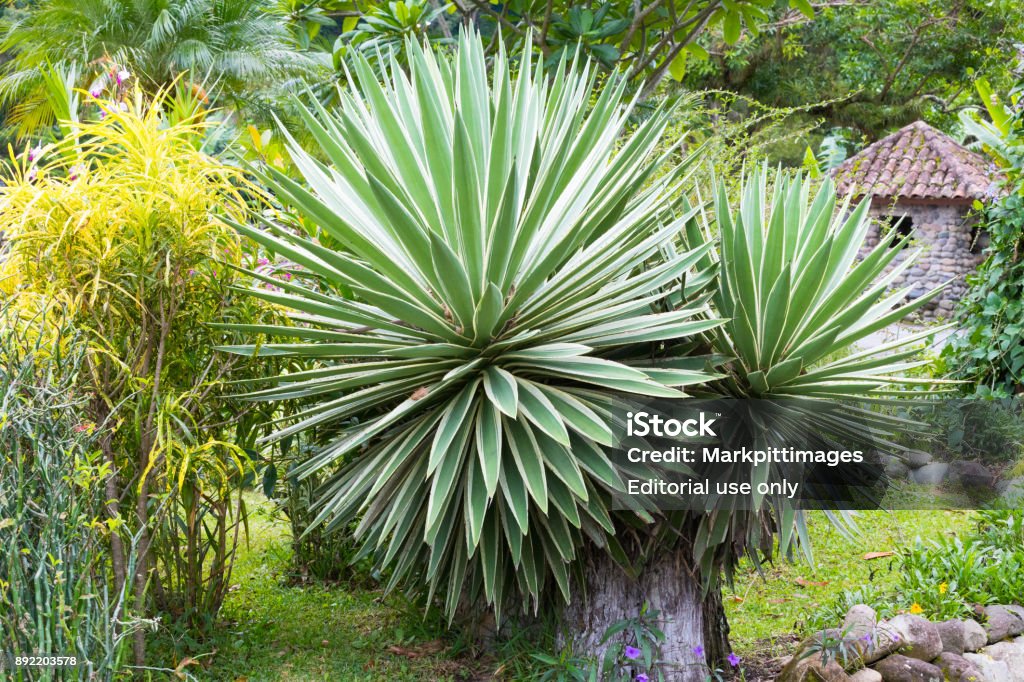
(506, 250)
(798, 294)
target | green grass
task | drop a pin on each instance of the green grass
(273, 629)
(766, 612)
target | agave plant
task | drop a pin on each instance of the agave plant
(504, 246)
(799, 293)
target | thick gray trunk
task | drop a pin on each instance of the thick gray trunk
(691, 622)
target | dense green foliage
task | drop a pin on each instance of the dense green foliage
(874, 65)
(235, 49)
(54, 592)
(989, 353)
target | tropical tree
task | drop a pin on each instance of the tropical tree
(240, 49)
(873, 65)
(506, 265)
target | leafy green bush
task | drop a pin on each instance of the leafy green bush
(989, 354)
(56, 596)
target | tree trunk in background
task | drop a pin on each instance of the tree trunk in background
(670, 585)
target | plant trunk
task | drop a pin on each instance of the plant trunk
(669, 585)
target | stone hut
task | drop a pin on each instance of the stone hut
(922, 181)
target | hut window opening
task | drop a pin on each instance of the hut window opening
(902, 225)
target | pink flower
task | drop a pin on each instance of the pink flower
(122, 76)
(35, 153)
(75, 171)
(263, 261)
(96, 92)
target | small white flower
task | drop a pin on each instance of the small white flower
(122, 106)
(123, 75)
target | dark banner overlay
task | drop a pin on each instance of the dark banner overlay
(699, 455)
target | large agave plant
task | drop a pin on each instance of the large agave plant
(504, 245)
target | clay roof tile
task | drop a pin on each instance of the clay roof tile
(917, 162)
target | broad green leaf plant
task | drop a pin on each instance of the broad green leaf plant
(506, 247)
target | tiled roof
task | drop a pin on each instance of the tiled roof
(917, 162)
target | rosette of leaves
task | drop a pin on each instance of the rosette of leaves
(799, 293)
(505, 247)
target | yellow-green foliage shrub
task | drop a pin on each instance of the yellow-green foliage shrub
(119, 227)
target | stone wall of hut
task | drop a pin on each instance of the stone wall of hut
(951, 249)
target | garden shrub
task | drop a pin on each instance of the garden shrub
(56, 598)
(120, 224)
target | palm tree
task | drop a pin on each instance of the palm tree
(241, 48)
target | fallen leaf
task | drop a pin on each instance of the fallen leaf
(877, 555)
(777, 601)
(804, 582)
(737, 598)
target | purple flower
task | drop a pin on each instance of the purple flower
(642, 677)
(35, 153)
(287, 276)
(122, 106)
(698, 651)
(632, 652)
(733, 659)
(263, 261)
(103, 115)
(75, 171)
(122, 76)
(96, 92)
(192, 273)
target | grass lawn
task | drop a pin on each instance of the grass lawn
(274, 629)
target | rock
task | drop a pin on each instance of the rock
(1012, 490)
(860, 620)
(897, 668)
(1010, 653)
(956, 667)
(951, 632)
(991, 670)
(866, 675)
(919, 636)
(930, 474)
(812, 669)
(975, 636)
(1015, 610)
(972, 475)
(1001, 624)
(897, 470)
(915, 459)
